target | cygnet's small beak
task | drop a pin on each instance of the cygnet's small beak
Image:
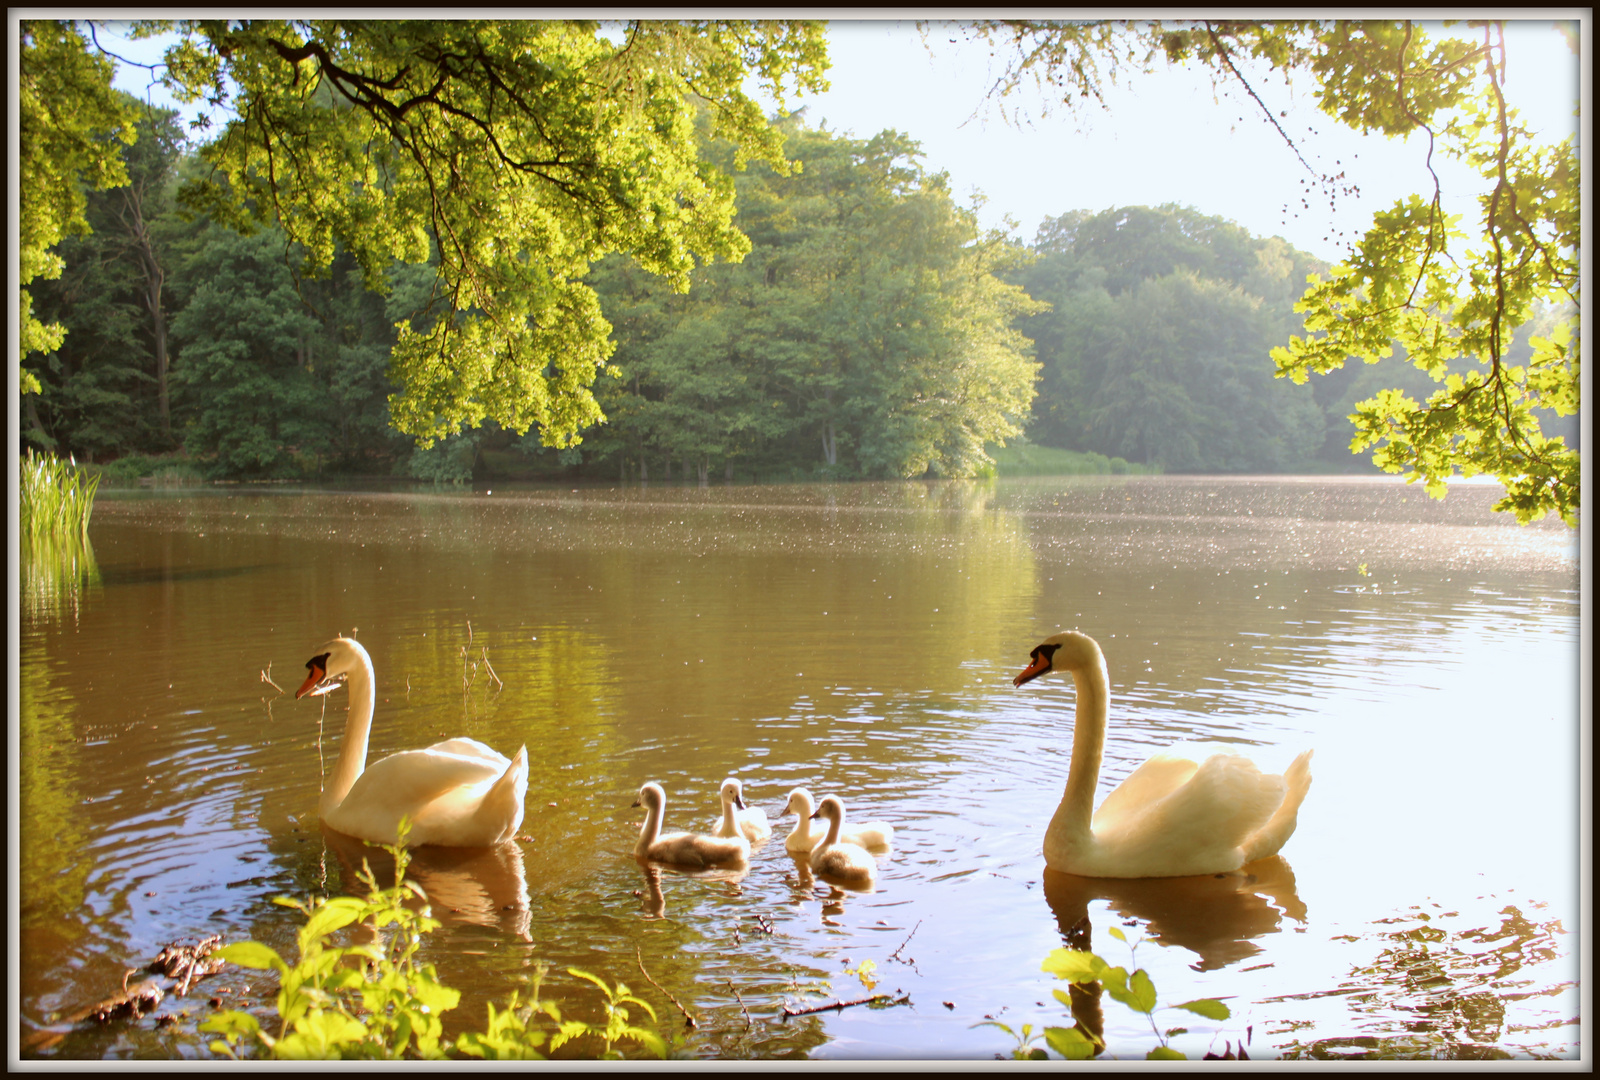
(637, 802)
(738, 800)
(816, 815)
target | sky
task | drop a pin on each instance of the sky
(1167, 137)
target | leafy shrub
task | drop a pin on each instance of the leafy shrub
(374, 1000)
(1136, 991)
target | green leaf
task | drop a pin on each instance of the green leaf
(337, 913)
(1210, 1008)
(1070, 1043)
(1116, 932)
(1074, 965)
(1165, 1053)
(1143, 990)
(251, 954)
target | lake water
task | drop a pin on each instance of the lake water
(856, 639)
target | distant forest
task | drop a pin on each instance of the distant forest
(873, 331)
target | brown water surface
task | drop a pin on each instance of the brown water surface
(856, 639)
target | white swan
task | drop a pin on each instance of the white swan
(869, 834)
(837, 858)
(681, 848)
(737, 818)
(1173, 816)
(458, 793)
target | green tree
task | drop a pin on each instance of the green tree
(868, 328)
(1418, 281)
(257, 406)
(1156, 345)
(104, 387)
(70, 124)
(513, 153)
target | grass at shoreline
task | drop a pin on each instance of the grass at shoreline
(55, 498)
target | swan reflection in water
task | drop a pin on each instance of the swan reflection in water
(653, 901)
(485, 887)
(1215, 916)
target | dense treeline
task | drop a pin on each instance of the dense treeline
(873, 330)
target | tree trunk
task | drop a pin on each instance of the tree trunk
(830, 444)
(154, 279)
(704, 469)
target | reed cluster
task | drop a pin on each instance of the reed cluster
(56, 498)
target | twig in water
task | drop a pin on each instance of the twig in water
(896, 954)
(688, 1017)
(266, 677)
(737, 997)
(903, 1000)
(492, 675)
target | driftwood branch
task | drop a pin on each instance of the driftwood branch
(903, 1000)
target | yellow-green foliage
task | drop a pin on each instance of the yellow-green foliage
(1137, 991)
(55, 498)
(373, 1000)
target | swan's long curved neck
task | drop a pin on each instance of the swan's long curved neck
(730, 823)
(1072, 817)
(357, 727)
(835, 827)
(652, 825)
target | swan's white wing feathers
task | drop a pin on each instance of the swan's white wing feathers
(1198, 824)
(410, 782)
(462, 746)
(1151, 782)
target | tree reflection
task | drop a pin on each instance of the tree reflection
(1435, 992)
(1214, 916)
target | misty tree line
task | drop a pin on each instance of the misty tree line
(873, 330)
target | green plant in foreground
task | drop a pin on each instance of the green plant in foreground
(373, 1000)
(1135, 991)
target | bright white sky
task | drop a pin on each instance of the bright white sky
(1165, 139)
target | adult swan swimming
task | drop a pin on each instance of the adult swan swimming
(1173, 816)
(458, 793)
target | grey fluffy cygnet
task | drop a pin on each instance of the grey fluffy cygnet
(681, 848)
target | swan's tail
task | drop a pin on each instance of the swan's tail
(1276, 832)
(507, 794)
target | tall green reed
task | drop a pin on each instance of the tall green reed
(56, 498)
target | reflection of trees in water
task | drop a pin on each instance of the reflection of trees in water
(1215, 916)
(1435, 993)
(54, 868)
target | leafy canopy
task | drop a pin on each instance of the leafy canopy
(1448, 293)
(512, 153)
(69, 125)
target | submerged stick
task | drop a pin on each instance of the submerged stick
(903, 1000)
(896, 954)
(486, 664)
(688, 1018)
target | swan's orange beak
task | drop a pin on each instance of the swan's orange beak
(317, 666)
(1040, 665)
